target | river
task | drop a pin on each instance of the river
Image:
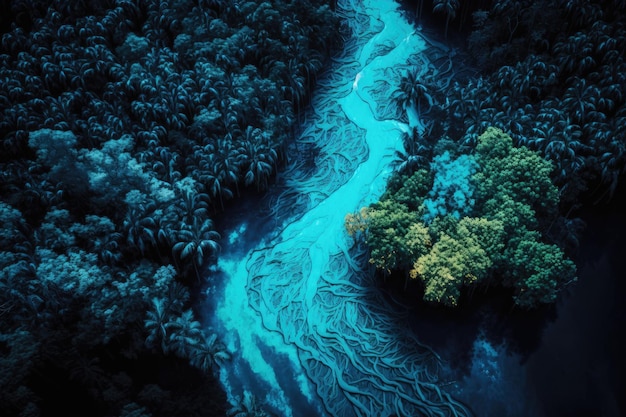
(312, 334)
(309, 333)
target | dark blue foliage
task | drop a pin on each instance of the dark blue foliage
(125, 125)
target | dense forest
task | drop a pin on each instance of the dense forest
(487, 194)
(128, 126)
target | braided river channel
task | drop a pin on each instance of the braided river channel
(309, 329)
(298, 309)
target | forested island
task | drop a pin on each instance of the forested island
(131, 129)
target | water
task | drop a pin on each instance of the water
(309, 333)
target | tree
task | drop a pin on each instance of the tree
(410, 189)
(140, 228)
(459, 259)
(412, 92)
(452, 190)
(488, 234)
(356, 223)
(539, 271)
(20, 351)
(156, 325)
(388, 223)
(185, 333)
(442, 271)
(197, 244)
(191, 205)
(256, 157)
(208, 353)
(514, 188)
(247, 407)
(517, 171)
(427, 224)
(416, 151)
(211, 177)
(449, 7)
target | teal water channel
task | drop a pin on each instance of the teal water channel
(308, 331)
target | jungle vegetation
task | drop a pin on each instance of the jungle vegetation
(125, 126)
(549, 85)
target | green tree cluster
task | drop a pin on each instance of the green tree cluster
(498, 243)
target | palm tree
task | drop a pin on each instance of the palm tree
(228, 166)
(86, 370)
(295, 88)
(185, 334)
(192, 205)
(163, 232)
(210, 176)
(108, 249)
(257, 158)
(406, 163)
(165, 164)
(140, 227)
(544, 134)
(419, 11)
(156, 325)
(412, 91)
(449, 7)
(612, 163)
(197, 244)
(580, 99)
(247, 407)
(208, 353)
(410, 140)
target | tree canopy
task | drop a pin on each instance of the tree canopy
(125, 127)
(497, 241)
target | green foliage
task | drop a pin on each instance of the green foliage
(388, 223)
(514, 215)
(460, 259)
(409, 190)
(489, 235)
(538, 271)
(417, 240)
(514, 187)
(516, 172)
(499, 242)
(445, 269)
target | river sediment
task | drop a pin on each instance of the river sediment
(308, 330)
